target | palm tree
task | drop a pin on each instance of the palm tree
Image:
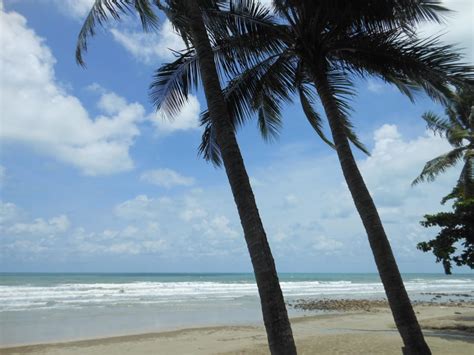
(321, 47)
(188, 17)
(458, 128)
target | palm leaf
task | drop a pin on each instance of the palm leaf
(103, 10)
(341, 89)
(209, 149)
(436, 123)
(427, 63)
(313, 117)
(454, 133)
(439, 165)
(172, 82)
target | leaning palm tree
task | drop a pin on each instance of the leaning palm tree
(320, 47)
(458, 128)
(189, 18)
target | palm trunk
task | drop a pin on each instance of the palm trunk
(402, 310)
(280, 336)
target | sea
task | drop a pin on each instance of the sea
(42, 308)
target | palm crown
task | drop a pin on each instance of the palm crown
(269, 58)
(458, 128)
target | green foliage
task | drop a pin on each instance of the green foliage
(270, 58)
(458, 129)
(457, 229)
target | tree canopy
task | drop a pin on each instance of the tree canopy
(454, 243)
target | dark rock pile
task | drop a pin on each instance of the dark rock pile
(338, 305)
(364, 305)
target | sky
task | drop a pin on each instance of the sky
(93, 179)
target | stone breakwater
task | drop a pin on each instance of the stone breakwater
(363, 305)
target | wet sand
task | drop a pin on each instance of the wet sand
(448, 329)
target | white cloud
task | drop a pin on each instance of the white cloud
(138, 208)
(166, 178)
(40, 227)
(191, 224)
(326, 218)
(191, 213)
(29, 238)
(324, 223)
(217, 227)
(38, 113)
(267, 3)
(76, 9)
(147, 47)
(327, 245)
(322, 229)
(110, 102)
(291, 200)
(402, 162)
(150, 47)
(9, 212)
(187, 119)
(131, 240)
(375, 86)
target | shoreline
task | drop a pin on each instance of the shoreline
(448, 330)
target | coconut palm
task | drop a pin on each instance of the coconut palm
(321, 47)
(189, 19)
(458, 128)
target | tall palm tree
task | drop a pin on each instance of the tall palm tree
(458, 128)
(189, 18)
(320, 47)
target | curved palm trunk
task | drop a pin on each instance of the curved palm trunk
(397, 296)
(280, 336)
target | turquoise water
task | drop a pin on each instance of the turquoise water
(38, 308)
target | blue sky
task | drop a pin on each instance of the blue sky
(93, 179)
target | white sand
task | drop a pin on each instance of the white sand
(350, 333)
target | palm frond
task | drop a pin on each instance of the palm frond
(374, 15)
(268, 80)
(273, 87)
(172, 82)
(439, 165)
(341, 88)
(448, 128)
(460, 108)
(436, 123)
(312, 116)
(239, 17)
(427, 63)
(209, 149)
(354, 139)
(103, 10)
(268, 118)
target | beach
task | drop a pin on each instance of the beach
(220, 313)
(448, 330)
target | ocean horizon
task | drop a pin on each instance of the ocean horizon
(52, 307)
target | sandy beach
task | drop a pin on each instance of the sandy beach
(448, 329)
